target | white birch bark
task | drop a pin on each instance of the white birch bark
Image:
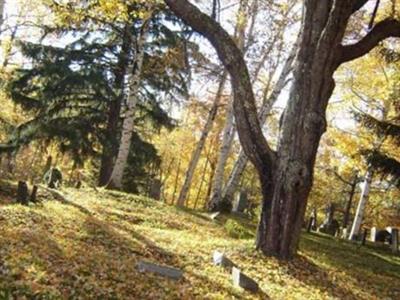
(202, 141)
(229, 131)
(135, 71)
(355, 229)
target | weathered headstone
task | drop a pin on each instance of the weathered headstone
(344, 233)
(169, 272)
(34, 194)
(22, 193)
(215, 215)
(383, 236)
(155, 189)
(243, 281)
(53, 178)
(241, 202)
(373, 234)
(395, 240)
(219, 259)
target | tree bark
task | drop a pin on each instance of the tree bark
(202, 141)
(110, 146)
(216, 203)
(286, 176)
(242, 160)
(355, 229)
(346, 217)
(135, 72)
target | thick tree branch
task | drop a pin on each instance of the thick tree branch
(358, 5)
(381, 31)
(249, 129)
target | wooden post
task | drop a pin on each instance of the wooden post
(310, 224)
(33, 194)
(22, 193)
(395, 240)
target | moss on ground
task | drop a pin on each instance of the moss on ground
(53, 250)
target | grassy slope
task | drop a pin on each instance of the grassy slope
(89, 251)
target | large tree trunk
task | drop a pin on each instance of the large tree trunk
(355, 229)
(286, 176)
(110, 146)
(242, 160)
(202, 141)
(134, 72)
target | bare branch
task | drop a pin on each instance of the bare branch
(249, 129)
(381, 31)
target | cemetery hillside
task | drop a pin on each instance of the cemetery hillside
(199, 149)
(88, 245)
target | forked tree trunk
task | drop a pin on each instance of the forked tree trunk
(135, 72)
(216, 202)
(241, 162)
(202, 141)
(286, 175)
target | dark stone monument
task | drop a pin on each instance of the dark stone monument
(219, 259)
(169, 272)
(243, 281)
(22, 193)
(241, 202)
(155, 189)
(34, 194)
(383, 236)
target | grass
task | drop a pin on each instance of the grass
(89, 250)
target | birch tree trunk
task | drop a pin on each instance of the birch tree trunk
(359, 216)
(110, 146)
(135, 71)
(202, 141)
(286, 175)
(242, 160)
(215, 202)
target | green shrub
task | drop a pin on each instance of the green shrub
(237, 230)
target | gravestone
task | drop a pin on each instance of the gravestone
(241, 202)
(373, 234)
(344, 233)
(169, 272)
(155, 189)
(53, 178)
(241, 280)
(219, 259)
(215, 215)
(395, 240)
(34, 194)
(383, 236)
(22, 193)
